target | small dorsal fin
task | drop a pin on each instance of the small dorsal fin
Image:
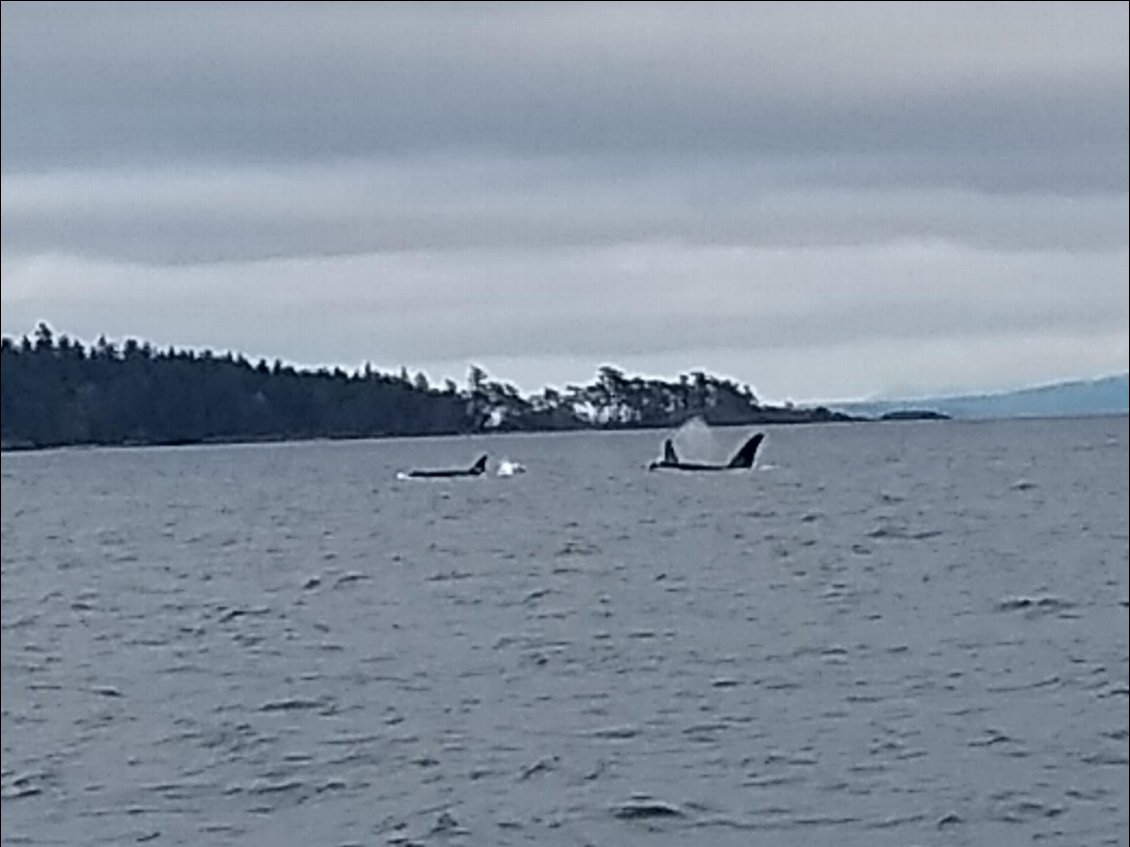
(669, 454)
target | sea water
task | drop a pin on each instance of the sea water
(884, 634)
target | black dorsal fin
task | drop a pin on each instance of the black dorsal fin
(670, 457)
(744, 457)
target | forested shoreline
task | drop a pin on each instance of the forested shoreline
(57, 391)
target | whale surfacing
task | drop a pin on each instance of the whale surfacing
(742, 460)
(477, 469)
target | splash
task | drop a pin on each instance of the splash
(696, 440)
(509, 468)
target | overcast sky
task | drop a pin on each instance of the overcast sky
(822, 200)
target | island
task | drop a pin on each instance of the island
(57, 391)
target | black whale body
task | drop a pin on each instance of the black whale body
(743, 459)
(477, 469)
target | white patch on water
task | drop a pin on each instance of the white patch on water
(509, 468)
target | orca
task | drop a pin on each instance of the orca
(743, 459)
(477, 469)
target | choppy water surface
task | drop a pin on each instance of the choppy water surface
(885, 634)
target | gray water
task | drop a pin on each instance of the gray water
(884, 634)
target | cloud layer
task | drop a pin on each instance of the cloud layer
(743, 187)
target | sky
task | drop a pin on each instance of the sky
(825, 201)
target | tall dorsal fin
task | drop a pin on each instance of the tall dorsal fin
(744, 457)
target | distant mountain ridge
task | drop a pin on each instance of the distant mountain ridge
(1106, 395)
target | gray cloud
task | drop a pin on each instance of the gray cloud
(826, 323)
(623, 300)
(232, 214)
(976, 95)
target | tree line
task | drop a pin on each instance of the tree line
(56, 391)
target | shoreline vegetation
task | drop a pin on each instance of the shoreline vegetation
(57, 392)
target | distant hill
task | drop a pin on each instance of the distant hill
(1104, 396)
